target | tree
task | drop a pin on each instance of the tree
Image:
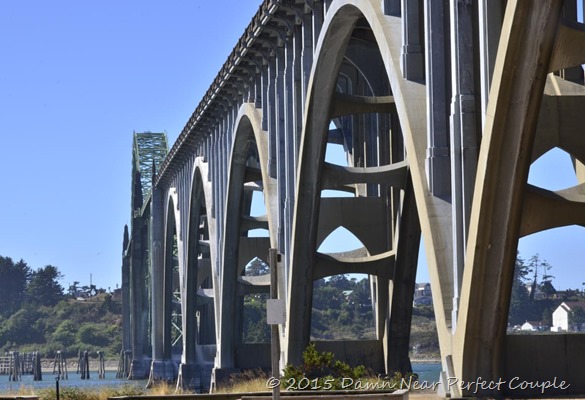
(13, 281)
(43, 288)
(577, 317)
(340, 282)
(547, 288)
(25, 326)
(520, 298)
(257, 267)
(73, 289)
(535, 264)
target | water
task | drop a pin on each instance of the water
(74, 380)
(427, 372)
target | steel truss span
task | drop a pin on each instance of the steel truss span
(441, 107)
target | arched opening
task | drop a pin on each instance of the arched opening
(255, 329)
(246, 237)
(173, 330)
(553, 170)
(548, 292)
(353, 173)
(342, 308)
(201, 320)
(340, 240)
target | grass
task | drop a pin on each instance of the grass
(248, 381)
(249, 386)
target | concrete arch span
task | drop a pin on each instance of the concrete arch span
(399, 226)
(512, 137)
(166, 309)
(247, 174)
(199, 283)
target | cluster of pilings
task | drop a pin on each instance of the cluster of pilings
(60, 366)
(15, 364)
(83, 365)
(124, 363)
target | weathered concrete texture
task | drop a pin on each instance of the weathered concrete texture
(544, 358)
(355, 352)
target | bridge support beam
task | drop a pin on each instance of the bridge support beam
(528, 35)
(160, 369)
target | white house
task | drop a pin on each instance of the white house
(561, 320)
(532, 326)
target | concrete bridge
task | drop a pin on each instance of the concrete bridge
(441, 107)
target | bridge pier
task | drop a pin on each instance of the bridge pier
(198, 377)
(162, 370)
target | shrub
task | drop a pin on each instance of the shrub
(321, 371)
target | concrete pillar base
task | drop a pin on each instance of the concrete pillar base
(194, 377)
(220, 377)
(138, 369)
(161, 370)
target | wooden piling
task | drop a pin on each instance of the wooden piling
(37, 368)
(83, 364)
(15, 368)
(101, 366)
(60, 366)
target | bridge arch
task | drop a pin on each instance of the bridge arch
(198, 284)
(380, 176)
(173, 264)
(247, 173)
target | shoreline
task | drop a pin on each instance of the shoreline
(425, 360)
(110, 366)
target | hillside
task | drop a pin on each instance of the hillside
(93, 324)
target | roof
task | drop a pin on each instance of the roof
(575, 304)
(570, 305)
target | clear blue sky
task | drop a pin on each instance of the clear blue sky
(77, 78)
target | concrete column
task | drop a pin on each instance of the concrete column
(412, 51)
(157, 271)
(280, 100)
(289, 134)
(137, 296)
(126, 304)
(272, 93)
(491, 14)
(464, 145)
(157, 278)
(392, 7)
(573, 74)
(437, 74)
(317, 24)
(258, 90)
(403, 284)
(307, 57)
(265, 97)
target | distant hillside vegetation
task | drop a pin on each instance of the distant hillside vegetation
(36, 315)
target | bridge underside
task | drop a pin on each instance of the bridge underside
(440, 108)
